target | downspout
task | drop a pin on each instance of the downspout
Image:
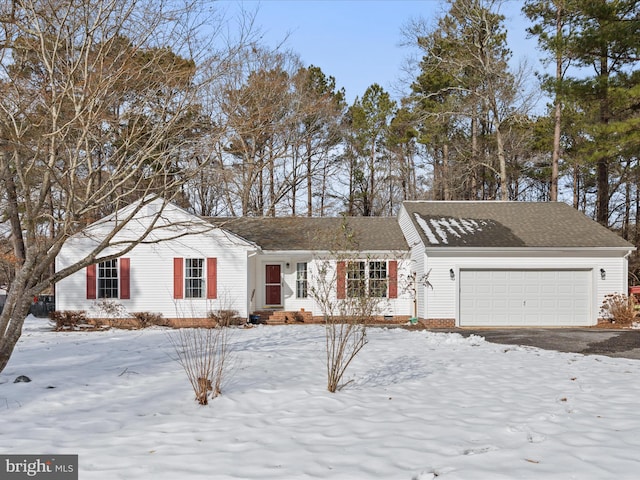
(414, 288)
(626, 267)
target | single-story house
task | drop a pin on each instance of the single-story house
(445, 263)
(272, 268)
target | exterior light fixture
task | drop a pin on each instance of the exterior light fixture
(452, 274)
(603, 274)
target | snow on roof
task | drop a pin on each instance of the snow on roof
(440, 230)
(499, 224)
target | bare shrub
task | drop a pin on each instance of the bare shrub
(619, 308)
(226, 317)
(203, 353)
(148, 319)
(346, 319)
(108, 309)
(68, 319)
(345, 337)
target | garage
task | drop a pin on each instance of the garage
(495, 263)
(509, 297)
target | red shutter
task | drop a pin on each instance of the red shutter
(178, 284)
(342, 280)
(393, 279)
(212, 278)
(125, 292)
(91, 282)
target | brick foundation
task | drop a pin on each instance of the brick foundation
(268, 317)
(438, 322)
(192, 322)
(134, 324)
(282, 317)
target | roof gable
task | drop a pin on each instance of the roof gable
(507, 225)
(165, 219)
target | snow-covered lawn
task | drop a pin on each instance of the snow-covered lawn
(421, 405)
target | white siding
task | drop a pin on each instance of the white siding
(151, 276)
(442, 299)
(409, 231)
(416, 264)
(402, 305)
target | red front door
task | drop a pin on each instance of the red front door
(273, 286)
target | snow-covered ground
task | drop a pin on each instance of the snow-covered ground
(421, 405)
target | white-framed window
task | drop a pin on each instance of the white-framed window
(194, 277)
(301, 280)
(378, 279)
(356, 279)
(368, 278)
(108, 279)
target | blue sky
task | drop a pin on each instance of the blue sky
(357, 41)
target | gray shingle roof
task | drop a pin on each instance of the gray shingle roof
(318, 233)
(507, 224)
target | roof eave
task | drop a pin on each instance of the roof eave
(439, 248)
(325, 252)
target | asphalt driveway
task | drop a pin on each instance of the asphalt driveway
(588, 341)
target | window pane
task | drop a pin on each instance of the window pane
(108, 279)
(193, 277)
(378, 279)
(356, 286)
(301, 280)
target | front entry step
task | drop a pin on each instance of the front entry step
(281, 317)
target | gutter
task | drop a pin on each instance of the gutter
(435, 249)
(335, 253)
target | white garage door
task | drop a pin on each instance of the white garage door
(525, 297)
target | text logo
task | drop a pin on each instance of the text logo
(49, 467)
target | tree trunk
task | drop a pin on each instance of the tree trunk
(445, 172)
(557, 116)
(413, 183)
(504, 190)
(602, 210)
(259, 208)
(473, 194)
(372, 180)
(295, 153)
(576, 186)
(309, 181)
(627, 210)
(636, 227)
(272, 184)
(12, 210)
(555, 156)
(437, 179)
(323, 190)
(16, 309)
(352, 169)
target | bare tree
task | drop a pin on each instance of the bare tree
(257, 109)
(316, 134)
(346, 321)
(100, 107)
(348, 301)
